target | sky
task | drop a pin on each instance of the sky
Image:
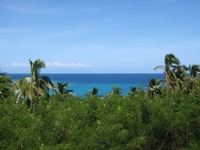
(98, 36)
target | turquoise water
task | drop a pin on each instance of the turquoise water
(82, 83)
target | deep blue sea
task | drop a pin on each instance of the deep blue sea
(82, 83)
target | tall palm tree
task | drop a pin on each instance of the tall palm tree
(60, 88)
(154, 88)
(36, 84)
(171, 62)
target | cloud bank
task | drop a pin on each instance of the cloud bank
(55, 64)
(17, 65)
(58, 64)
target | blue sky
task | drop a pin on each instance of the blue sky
(98, 36)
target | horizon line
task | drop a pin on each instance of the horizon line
(94, 73)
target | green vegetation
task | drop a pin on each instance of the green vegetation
(35, 86)
(162, 117)
(93, 92)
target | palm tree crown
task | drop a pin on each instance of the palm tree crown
(6, 84)
(171, 64)
(116, 90)
(92, 92)
(171, 59)
(154, 87)
(60, 88)
(193, 71)
(36, 85)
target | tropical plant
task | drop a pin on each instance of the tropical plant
(60, 88)
(178, 77)
(6, 85)
(171, 62)
(116, 90)
(35, 85)
(134, 91)
(114, 122)
(154, 88)
(4, 78)
(193, 71)
(94, 91)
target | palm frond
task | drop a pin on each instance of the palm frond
(159, 67)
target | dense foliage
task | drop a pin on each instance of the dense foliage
(162, 117)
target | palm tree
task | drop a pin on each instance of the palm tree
(178, 77)
(116, 90)
(60, 88)
(171, 62)
(6, 84)
(36, 85)
(154, 88)
(193, 71)
(4, 78)
(134, 91)
(93, 92)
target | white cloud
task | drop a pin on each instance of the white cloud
(17, 65)
(55, 64)
(58, 64)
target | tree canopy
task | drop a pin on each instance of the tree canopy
(164, 116)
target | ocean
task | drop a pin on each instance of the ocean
(82, 83)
